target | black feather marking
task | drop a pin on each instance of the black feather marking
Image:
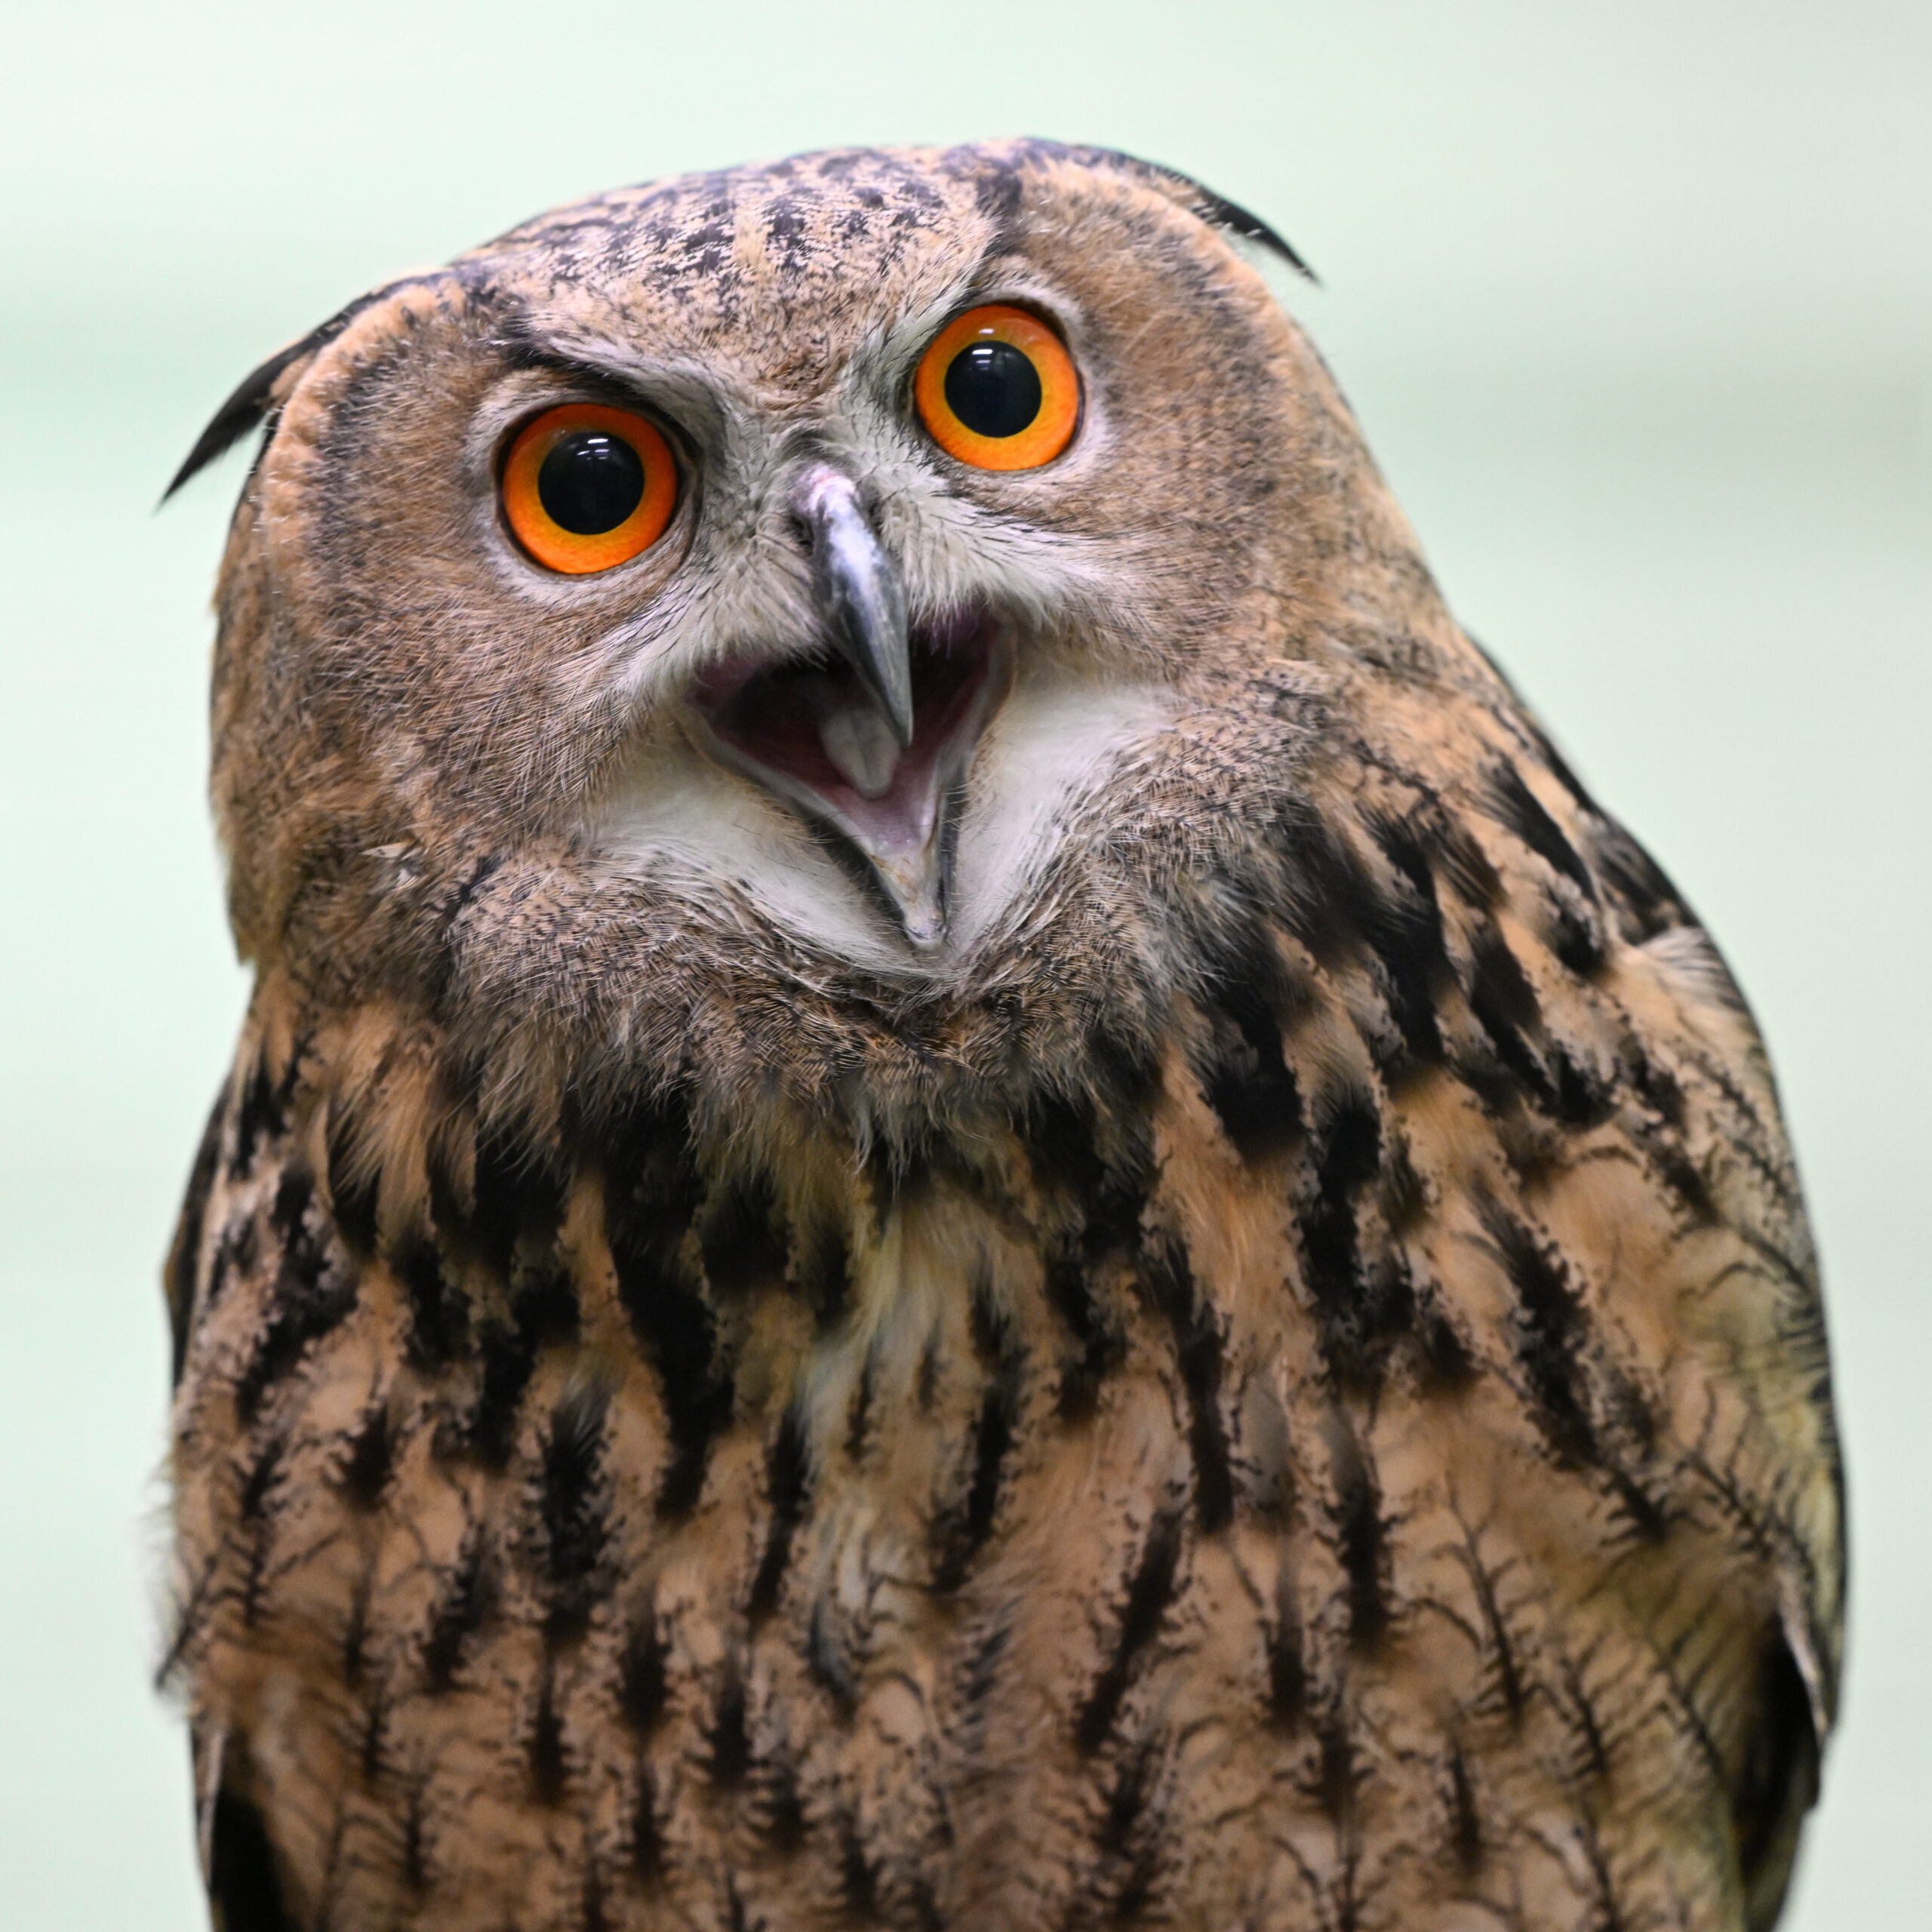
(262, 1115)
(516, 1201)
(1127, 1834)
(1588, 1725)
(1288, 1668)
(571, 1504)
(781, 1812)
(355, 1658)
(1659, 1089)
(1551, 1333)
(1099, 1345)
(787, 1475)
(979, 1676)
(1505, 1005)
(1579, 1098)
(1674, 1167)
(415, 1838)
(823, 1271)
(1554, 1351)
(546, 1753)
(859, 1416)
(1245, 1074)
(999, 1414)
(1443, 1359)
(858, 1878)
(1776, 1784)
(1198, 1346)
(352, 1201)
(542, 1310)
(1404, 932)
(1579, 942)
(371, 1458)
(469, 1599)
(596, 1918)
(184, 1252)
(1063, 1142)
(1127, 1800)
(1339, 906)
(1647, 901)
(243, 1884)
(1508, 1677)
(311, 1292)
(643, 1672)
(373, 1755)
(654, 1198)
(1466, 1829)
(647, 1829)
(926, 1388)
(1147, 1597)
(960, 1532)
(826, 1659)
(236, 1248)
(1336, 1773)
(683, 1340)
(252, 1507)
(1103, 1167)
(1361, 1539)
(1553, 1341)
(1350, 1157)
(741, 1238)
(438, 1307)
(1060, 1134)
(1455, 859)
(729, 1736)
(1523, 812)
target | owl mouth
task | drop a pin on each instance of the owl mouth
(813, 730)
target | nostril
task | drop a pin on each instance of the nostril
(805, 532)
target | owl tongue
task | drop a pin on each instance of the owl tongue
(810, 731)
(857, 737)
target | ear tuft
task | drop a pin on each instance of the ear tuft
(1216, 210)
(254, 399)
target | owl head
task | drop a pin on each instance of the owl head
(849, 581)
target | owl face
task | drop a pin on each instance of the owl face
(802, 541)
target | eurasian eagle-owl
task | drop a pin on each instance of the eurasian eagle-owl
(963, 1192)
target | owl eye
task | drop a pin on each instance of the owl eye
(586, 487)
(998, 389)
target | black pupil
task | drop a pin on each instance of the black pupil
(590, 481)
(993, 388)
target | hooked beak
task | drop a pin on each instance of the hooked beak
(858, 593)
(870, 728)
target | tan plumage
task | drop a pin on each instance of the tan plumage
(1273, 1378)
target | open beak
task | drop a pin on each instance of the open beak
(869, 728)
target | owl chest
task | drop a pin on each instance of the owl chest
(992, 1564)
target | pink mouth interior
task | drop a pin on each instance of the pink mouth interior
(771, 715)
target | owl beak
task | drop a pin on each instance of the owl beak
(870, 729)
(859, 594)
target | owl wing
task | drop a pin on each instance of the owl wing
(1601, 1198)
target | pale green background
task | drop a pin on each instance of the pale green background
(1635, 300)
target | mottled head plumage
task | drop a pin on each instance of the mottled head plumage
(967, 1193)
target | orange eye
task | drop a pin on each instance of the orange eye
(586, 487)
(999, 390)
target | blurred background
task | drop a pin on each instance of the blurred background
(1635, 301)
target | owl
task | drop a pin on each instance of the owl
(964, 1192)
